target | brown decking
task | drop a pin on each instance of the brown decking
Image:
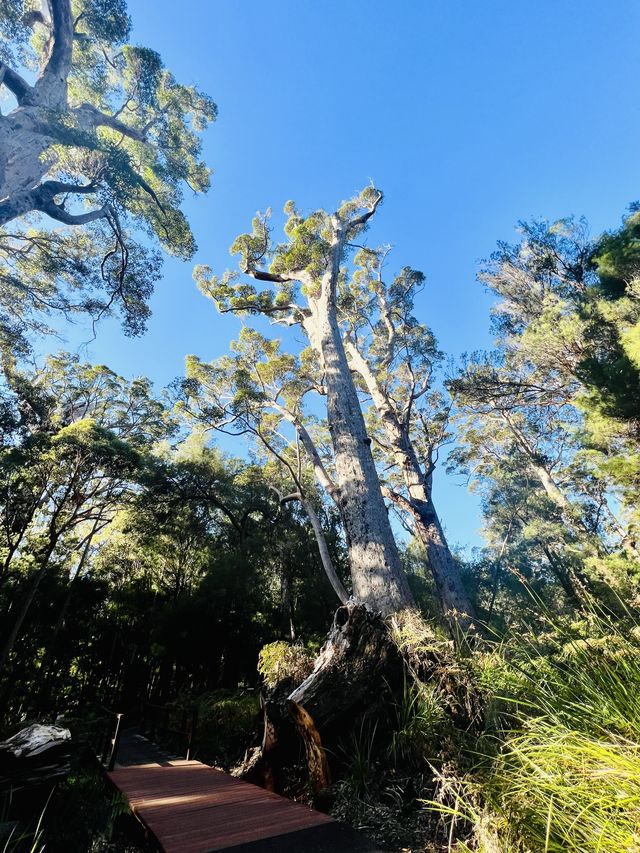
(190, 808)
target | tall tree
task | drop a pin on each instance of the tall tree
(561, 395)
(101, 136)
(308, 268)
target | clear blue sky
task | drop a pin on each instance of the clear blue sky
(470, 115)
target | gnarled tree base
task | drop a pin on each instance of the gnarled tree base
(356, 666)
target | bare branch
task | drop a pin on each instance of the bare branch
(361, 220)
(57, 212)
(320, 471)
(253, 308)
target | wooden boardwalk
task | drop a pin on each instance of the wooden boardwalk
(188, 807)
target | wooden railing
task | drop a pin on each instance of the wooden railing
(157, 722)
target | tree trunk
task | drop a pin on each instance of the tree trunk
(565, 579)
(350, 673)
(376, 570)
(323, 550)
(454, 599)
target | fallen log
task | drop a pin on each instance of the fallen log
(359, 674)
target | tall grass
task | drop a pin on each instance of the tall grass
(567, 774)
(25, 840)
(419, 717)
(568, 791)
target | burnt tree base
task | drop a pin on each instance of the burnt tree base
(355, 669)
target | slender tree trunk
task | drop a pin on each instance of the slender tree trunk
(453, 597)
(49, 659)
(323, 550)
(552, 489)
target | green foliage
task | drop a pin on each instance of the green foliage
(140, 567)
(571, 792)
(419, 719)
(280, 661)
(226, 725)
(548, 423)
(83, 813)
(360, 752)
(412, 634)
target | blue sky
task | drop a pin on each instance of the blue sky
(469, 115)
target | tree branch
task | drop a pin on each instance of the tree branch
(41, 198)
(88, 114)
(16, 84)
(252, 307)
(361, 220)
(400, 501)
(320, 471)
(150, 191)
(263, 275)
(57, 212)
(49, 189)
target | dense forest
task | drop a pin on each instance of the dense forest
(462, 700)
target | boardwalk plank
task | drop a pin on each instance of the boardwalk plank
(191, 808)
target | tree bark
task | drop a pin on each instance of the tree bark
(36, 755)
(455, 602)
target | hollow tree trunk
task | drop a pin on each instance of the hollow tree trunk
(356, 667)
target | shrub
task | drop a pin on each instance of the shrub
(226, 725)
(419, 717)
